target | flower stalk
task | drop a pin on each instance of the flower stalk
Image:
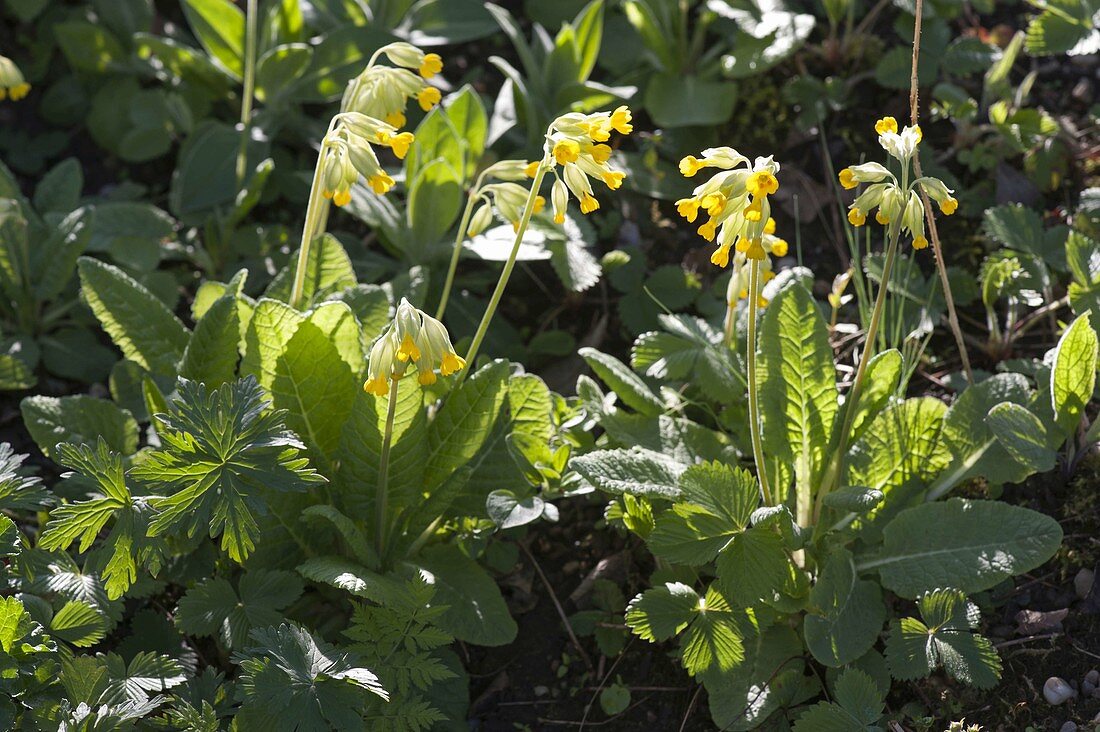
(509, 265)
(754, 391)
(382, 489)
(460, 238)
(249, 90)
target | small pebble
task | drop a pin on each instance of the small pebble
(541, 690)
(1057, 690)
(1090, 683)
(1068, 727)
(1082, 583)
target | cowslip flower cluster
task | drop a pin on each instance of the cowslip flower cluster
(347, 152)
(414, 337)
(735, 201)
(12, 83)
(383, 91)
(576, 144)
(891, 201)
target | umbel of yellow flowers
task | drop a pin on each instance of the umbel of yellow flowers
(415, 338)
(891, 198)
(735, 201)
(372, 113)
(12, 83)
(575, 143)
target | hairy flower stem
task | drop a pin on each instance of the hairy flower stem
(309, 229)
(382, 488)
(249, 89)
(937, 249)
(754, 398)
(494, 301)
(835, 468)
(460, 238)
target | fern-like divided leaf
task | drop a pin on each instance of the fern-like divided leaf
(19, 491)
(292, 681)
(221, 454)
(944, 636)
(400, 639)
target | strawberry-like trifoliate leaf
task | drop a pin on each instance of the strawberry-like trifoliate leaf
(944, 636)
(292, 681)
(856, 707)
(221, 453)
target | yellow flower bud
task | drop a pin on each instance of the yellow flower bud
(886, 124)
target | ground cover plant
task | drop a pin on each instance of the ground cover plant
(457, 365)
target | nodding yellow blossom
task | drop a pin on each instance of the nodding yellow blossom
(532, 168)
(347, 153)
(566, 151)
(431, 65)
(574, 144)
(886, 124)
(12, 84)
(413, 338)
(736, 201)
(383, 91)
(891, 203)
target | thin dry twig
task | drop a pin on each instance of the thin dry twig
(941, 265)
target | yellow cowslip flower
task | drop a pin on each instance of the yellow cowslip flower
(347, 153)
(886, 124)
(735, 200)
(431, 65)
(901, 145)
(575, 145)
(382, 92)
(940, 193)
(12, 84)
(413, 337)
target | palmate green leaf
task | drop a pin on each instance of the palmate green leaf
(19, 634)
(1073, 377)
(756, 567)
(476, 611)
(711, 636)
(717, 504)
(943, 637)
(636, 471)
(633, 392)
(464, 422)
(846, 613)
(857, 708)
(211, 354)
(79, 419)
(79, 623)
(316, 388)
(360, 448)
(20, 491)
(146, 674)
(690, 348)
(770, 678)
(214, 608)
(137, 321)
(798, 384)
(971, 545)
(83, 521)
(293, 682)
(221, 453)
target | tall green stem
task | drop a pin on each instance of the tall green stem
(249, 89)
(382, 488)
(460, 237)
(315, 210)
(754, 397)
(494, 301)
(836, 465)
